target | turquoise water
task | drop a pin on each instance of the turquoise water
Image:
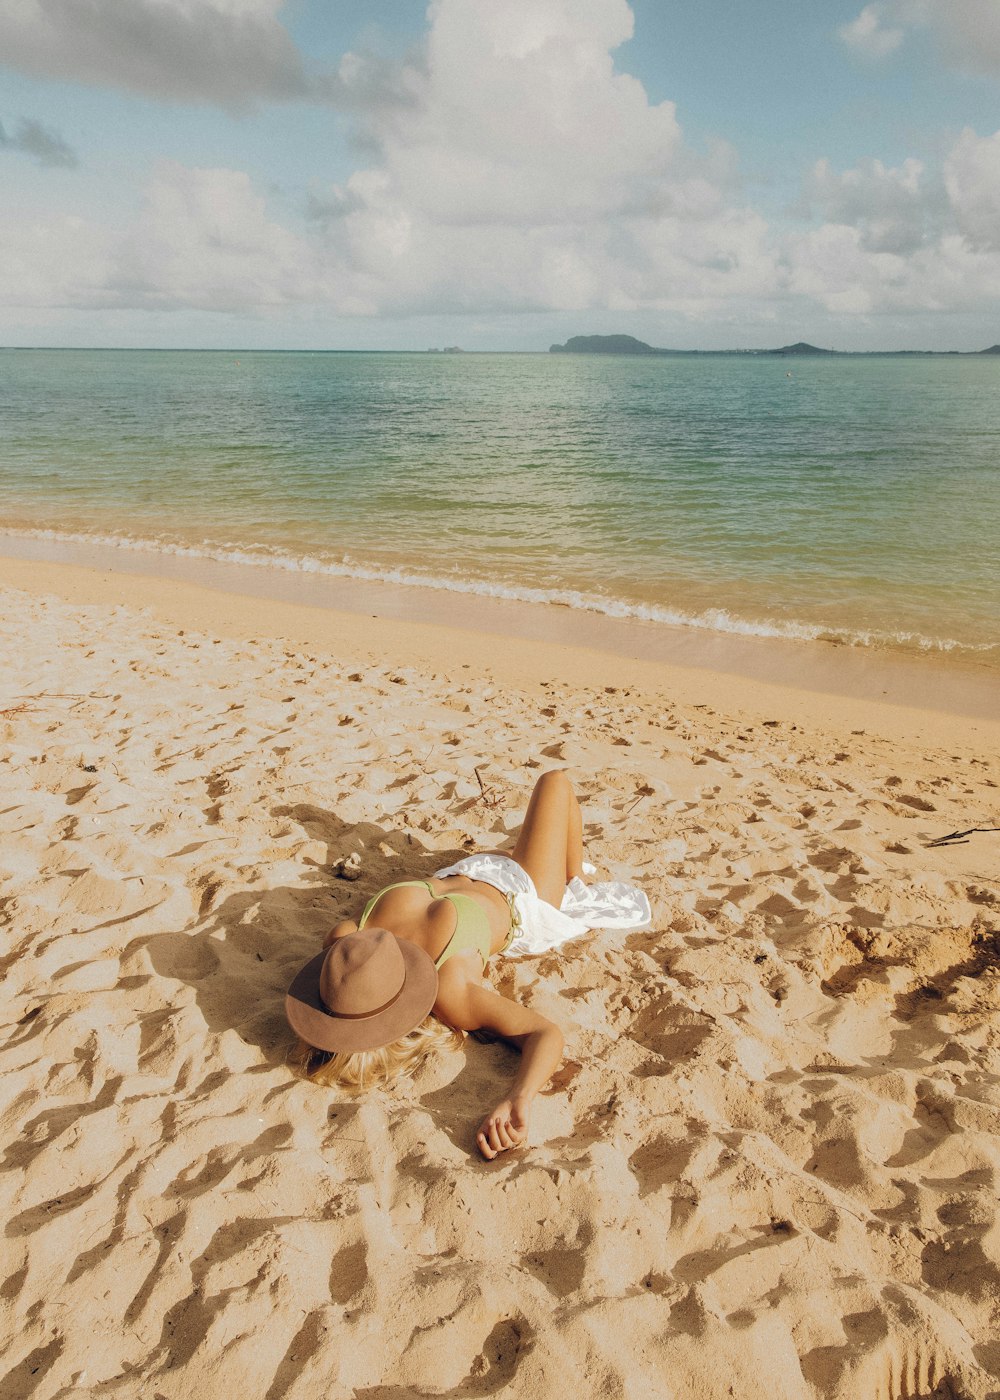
(848, 499)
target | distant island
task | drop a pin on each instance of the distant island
(628, 345)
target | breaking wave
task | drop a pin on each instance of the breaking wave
(719, 620)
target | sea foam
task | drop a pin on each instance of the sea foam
(719, 620)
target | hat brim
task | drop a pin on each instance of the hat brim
(308, 1018)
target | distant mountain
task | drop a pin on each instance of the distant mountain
(628, 345)
(604, 345)
(799, 348)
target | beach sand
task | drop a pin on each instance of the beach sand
(769, 1164)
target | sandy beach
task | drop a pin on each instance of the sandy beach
(769, 1164)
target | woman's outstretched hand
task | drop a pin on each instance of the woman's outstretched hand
(505, 1127)
(468, 1005)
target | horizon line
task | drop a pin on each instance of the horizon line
(401, 350)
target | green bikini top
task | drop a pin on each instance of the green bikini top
(472, 929)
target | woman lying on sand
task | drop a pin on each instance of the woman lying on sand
(382, 995)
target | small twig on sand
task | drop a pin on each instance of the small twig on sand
(490, 799)
(172, 758)
(28, 704)
(644, 790)
(955, 838)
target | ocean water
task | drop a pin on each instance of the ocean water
(850, 500)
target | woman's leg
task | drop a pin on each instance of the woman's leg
(550, 844)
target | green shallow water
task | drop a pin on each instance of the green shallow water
(852, 498)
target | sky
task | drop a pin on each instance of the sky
(500, 174)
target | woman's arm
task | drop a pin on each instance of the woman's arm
(470, 1006)
(507, 1124)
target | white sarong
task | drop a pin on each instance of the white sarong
(609, 904)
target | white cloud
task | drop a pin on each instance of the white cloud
(893, 209)
(902, 240)
(966, 31)
(972, 179)
(830, 266)
(203, 239)
(970, 30)
(52, 260)
(226, 51)
(527, 173)
(522, 118)
(869, 35)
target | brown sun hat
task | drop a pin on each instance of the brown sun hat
(365, 990)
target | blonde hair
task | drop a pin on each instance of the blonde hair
(363, 1069)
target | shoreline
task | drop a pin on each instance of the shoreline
(524, 640)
